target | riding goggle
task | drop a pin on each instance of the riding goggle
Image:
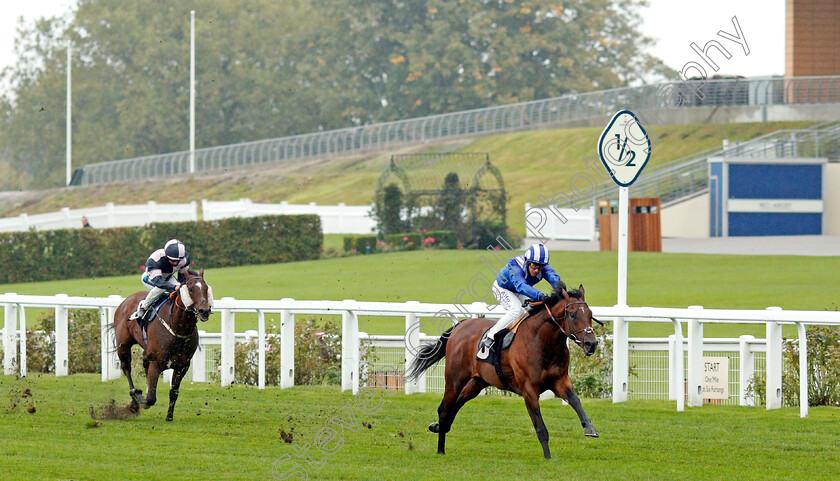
(534, 264)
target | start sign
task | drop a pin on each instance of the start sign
(715, 378)
(624, 148)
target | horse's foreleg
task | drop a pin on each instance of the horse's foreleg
(177, 376)
(532, 402)
(124, 353)
(152, 374)
(564, 389)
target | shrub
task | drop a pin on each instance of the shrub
(823, 349)
(443, 239)
(83, 346)
(405, 241)
(73, 253)
(592, 376)
(362, 244)
(317, 355)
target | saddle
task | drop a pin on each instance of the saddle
(150, 314)
(501, 341)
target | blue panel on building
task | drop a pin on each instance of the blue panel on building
(774, 181)
(716, 199)
(773, 223)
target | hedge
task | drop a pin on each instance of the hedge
(444, 239)
(78, 253)
(408, 241)
(360, 243)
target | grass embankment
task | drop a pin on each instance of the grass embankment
(655, 279)
(241, 432)
(532, 163)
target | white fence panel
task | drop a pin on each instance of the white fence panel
(559, 224)
(103, 217)
(14, 309)
(335, 219)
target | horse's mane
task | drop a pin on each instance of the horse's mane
(557, 295)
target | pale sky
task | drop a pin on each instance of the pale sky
(675, 24)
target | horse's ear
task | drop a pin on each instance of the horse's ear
(201, 272)
(582, 293)
(565, 294)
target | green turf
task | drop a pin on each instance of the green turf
(444, 276)
(237, 433)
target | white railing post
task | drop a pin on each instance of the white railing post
(61, 361)
(151, 212)
(695, 361)
(621, 359)
(260, 349)
(672, 368)
(10, 328)
(349, 349)
(803, 370)
(747, 362)
(774, 362)
(109, 214)
(412, 344)
(228, 344)
(22, 313)
(113, 360)
(103, 344)
(199, 360)
(287, 349)
(679, 366)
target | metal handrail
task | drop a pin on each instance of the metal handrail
(563, 110)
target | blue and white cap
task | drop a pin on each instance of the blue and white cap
(175, 250)
(537, 254)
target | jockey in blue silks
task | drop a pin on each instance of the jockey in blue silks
(514, 284)
(159, 276)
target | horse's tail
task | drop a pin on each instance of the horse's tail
(428, 355)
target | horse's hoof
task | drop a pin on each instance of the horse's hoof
(169, 418)
(138, 391)
(435, 428)
(591, 434)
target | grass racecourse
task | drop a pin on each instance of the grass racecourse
(240, 432)
(243, 433)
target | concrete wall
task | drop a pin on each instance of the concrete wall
(689, 218)
(831, 197)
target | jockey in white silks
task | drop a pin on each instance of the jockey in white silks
(514, 284)
(159, 276)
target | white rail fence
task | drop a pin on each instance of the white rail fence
(335, 219)
(106, 216)
(685, 389)
(552, 222)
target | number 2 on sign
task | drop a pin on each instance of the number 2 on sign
(621, 149)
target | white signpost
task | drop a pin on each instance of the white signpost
(624, 149)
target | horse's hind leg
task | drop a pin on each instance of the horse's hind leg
(449, 408)
(563, 389)
(177, 376)
(124, 353)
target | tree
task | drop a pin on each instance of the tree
(268, 69)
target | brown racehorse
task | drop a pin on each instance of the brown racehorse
(537, 361)
(172, 337)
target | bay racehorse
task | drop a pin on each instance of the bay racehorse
(537, 361)
(172, 337)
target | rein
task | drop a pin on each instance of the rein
(175, 297)
(573, 335)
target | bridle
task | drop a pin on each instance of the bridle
(174, 297)
(566, 317)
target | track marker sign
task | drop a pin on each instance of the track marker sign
(624, 148)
